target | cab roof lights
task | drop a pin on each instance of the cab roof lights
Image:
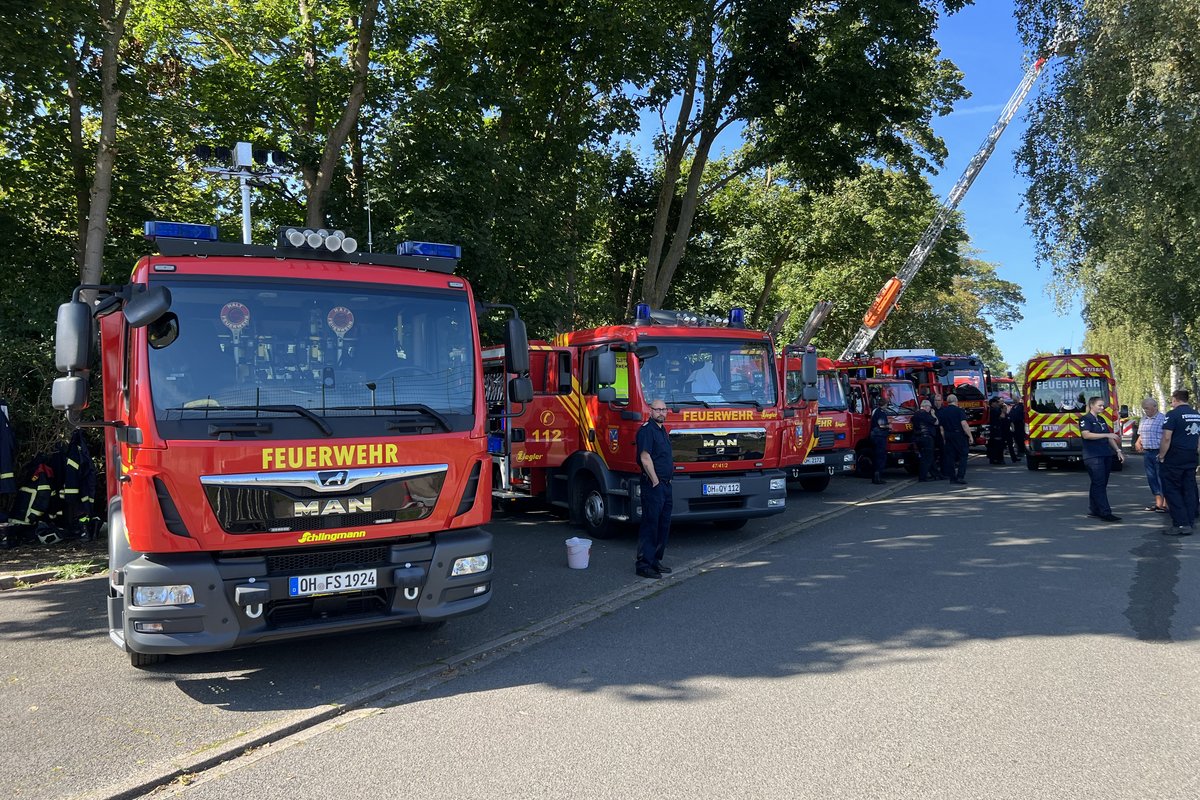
(157, 229)
(430, 249)
(645, 315)
(316, 239)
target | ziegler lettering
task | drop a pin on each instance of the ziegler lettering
(308, 537)
(350, 455)
(523, 456)
(317, 508)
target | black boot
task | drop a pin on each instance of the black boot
(878, 479)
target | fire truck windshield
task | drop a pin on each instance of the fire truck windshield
(341, 351)
(1066, 395)
(899, 397)
(709, 372)
(831, 394)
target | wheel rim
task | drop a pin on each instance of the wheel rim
(593, 508)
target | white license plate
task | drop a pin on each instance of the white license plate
(333, 582)
(720, 488)
(1046, 445)
(814, 460)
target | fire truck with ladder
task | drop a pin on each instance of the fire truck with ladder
(867, 383)
(574, 444)
(295, 438)
(1057, 389)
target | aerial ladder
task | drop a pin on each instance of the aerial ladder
(891, 292)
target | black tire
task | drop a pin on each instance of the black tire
(814, 483)
(864, 464)
(589, 505)
(1032, 463)
(730, 524)
(141, 660)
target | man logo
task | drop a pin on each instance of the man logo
(335, 478)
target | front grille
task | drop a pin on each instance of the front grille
(285, 613)
(826, 438)
(698, 504)
(302, 563)
(324, 523)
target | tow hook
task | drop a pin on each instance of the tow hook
(251, 599)
(409, 580)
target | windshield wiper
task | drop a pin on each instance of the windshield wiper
(754, 403)
(420, 408)
(688, 403)
(283, 409)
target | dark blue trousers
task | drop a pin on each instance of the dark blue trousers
(880, 445)
(957, 450)
(1179, 488)
(1099, 468)
(656, 523)
(925, 455)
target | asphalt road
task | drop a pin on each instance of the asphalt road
(980, 641)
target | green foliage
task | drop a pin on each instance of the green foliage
(1114, 169)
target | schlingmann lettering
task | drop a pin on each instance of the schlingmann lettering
(321, 456)
(308, 537)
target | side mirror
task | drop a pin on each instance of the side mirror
(606, 394)
(606, 369)
(645, 351)
(69, 393)
(808, 371)
(163, 331)
(811, 392)
(520, 390)
(73, 337)
(516, 346)
(146, 305)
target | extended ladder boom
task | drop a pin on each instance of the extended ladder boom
(890, 294)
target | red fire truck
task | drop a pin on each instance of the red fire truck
(295, 439)
(574, 444)
(1057, 389)
(940, 375)
(867, 382)
(1003, 387)
(832, 452)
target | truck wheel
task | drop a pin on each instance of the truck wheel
(140, 660)
(814, 483)
(1031, 463)
(731, 524)
(864, 464)
(591, 508)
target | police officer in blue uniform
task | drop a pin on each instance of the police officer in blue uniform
(658, 465)
(1099, 442)
(1177, 458)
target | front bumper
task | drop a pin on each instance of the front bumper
(754, 496)
(832, 462)
(241, 601)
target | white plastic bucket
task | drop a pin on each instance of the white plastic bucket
(578, 552)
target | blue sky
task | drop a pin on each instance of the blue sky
(982, 41)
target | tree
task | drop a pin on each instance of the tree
(1114, 168)
(782, 72)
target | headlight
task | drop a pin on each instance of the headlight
(471, 565)
(778, 483)
(179, 594)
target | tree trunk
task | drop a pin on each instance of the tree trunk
(768, 284)
(683, 227)
(336, 139)
(78, 156)
(112, 17)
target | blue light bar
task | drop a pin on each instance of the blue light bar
(432, 249)
(180, 230)
(642, 311)
(737, 317)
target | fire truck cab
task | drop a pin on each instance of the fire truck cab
(832, 451)
(867, 383)
(295, 439)
(940, 375)
(574, 445)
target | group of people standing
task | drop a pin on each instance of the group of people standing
(943, 439)
(1170, 448)
(1006, 430)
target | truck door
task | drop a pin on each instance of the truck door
(548, 430)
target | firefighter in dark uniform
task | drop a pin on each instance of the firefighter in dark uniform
(881, 426)
(658, 465)
(925, 431)
(997, 431)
